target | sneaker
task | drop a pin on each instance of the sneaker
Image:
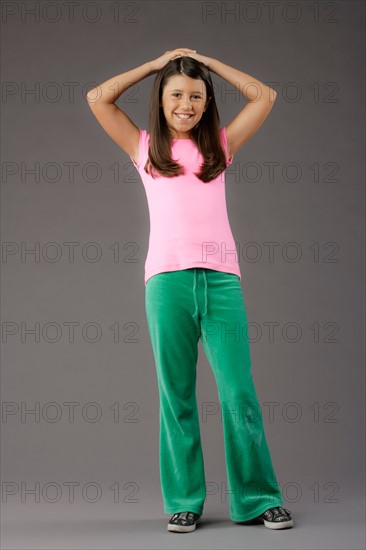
(183, 522)
(276, 518)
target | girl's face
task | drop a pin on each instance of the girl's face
(186, 96)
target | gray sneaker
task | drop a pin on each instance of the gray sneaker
(183, 522)
(276, 518)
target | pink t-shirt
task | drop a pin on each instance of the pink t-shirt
(189, 225)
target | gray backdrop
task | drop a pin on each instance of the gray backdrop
(79, 392)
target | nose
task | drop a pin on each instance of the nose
(186, 105)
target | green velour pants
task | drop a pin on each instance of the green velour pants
(182, 307)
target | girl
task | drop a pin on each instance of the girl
(192, 278)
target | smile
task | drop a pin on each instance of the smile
(183, 117)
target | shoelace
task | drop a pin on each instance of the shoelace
(278, 513)
(183, 517)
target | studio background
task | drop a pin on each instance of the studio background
(80, 405)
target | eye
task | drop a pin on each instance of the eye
(196, 96)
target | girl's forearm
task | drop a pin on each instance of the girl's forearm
(110, 90)
(251, 88)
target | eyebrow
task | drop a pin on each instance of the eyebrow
(183, 90)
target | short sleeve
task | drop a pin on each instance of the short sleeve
(223, 136)
(143, 149)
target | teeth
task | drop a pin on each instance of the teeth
(183, 116)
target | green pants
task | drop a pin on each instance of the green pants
(182, 307)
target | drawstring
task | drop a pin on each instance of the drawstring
(204, 274)
(194, 293)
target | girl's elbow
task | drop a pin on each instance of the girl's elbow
(272, 95)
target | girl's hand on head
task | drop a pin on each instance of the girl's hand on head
(202, 58)
(161, 61)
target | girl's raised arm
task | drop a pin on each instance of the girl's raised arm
(113, 120)
(261, 100)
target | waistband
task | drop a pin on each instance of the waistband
(194, 291)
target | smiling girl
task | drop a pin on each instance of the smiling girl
(192, 277)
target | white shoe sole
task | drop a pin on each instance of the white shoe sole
(278, 524)
(182, 528)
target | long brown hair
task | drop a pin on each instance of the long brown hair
(205, 134)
